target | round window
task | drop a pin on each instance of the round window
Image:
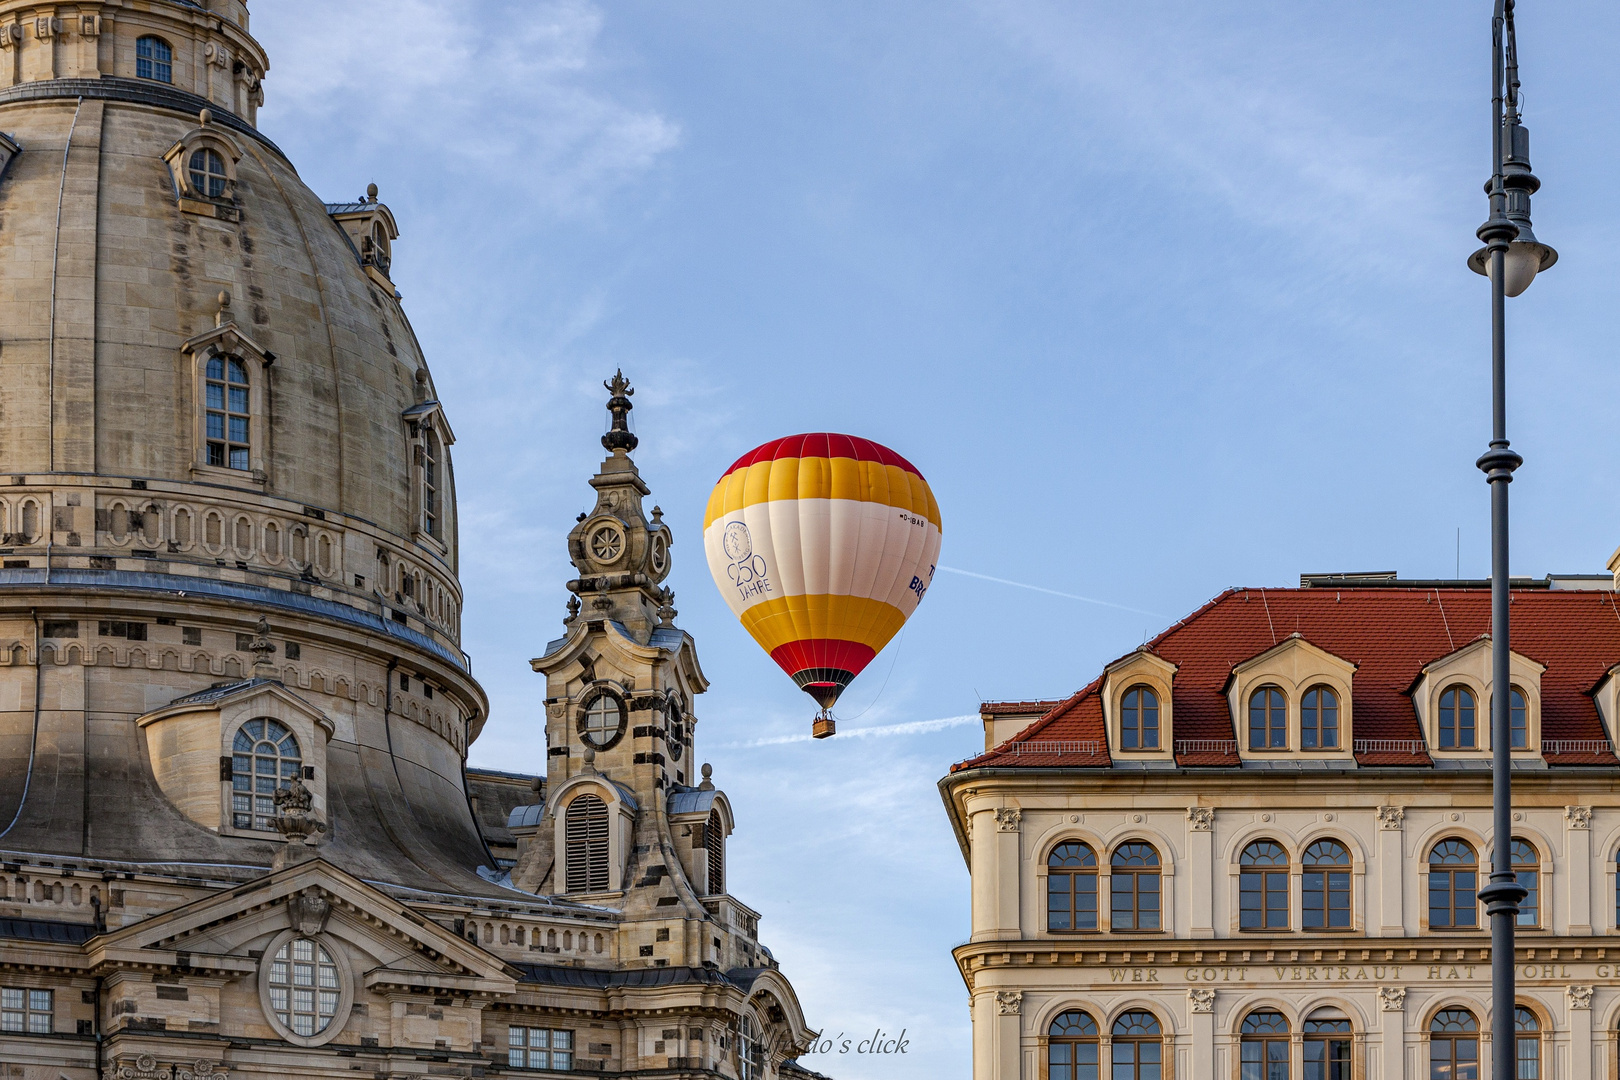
(607, 543)
(602, 722)
(659, 558)
(305, 988)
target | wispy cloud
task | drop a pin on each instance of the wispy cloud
(1052, 592)
(881, 731)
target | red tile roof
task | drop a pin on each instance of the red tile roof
(1390, 634)
(1018, 708)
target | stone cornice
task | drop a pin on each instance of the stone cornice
(130, 92)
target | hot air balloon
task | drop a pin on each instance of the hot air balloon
(823, 545)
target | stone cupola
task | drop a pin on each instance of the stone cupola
(622, 557)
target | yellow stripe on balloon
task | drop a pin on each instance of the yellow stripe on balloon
(822, 478)
(785, 619)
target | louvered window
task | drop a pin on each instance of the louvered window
(586, 837)
(714, 839)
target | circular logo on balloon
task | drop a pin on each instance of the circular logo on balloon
(737, 542)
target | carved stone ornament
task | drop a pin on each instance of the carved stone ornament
(1009, 1002)
(1391, 817)
(1578, 817)
(1580, 997)
(1392, 998)
(1202, 999)
(1008, 818)
(307, 911)
(557, 710)
(146, 1067)
(10, 35)
(1201, 819)
(295, 815)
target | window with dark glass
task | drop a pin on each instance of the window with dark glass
(1518, 720)
(1263, 887)
(227, 412)
(1071, 887)
(1268, 719)
(208, 175)
(1071, 1047)
(1527, 870)
(1457, 715)
(1527, 1044)
(1264, 1046)
(1453, 882)
(1326, 886)
(1327, 1045)
(1137, 1045)
(1319, 719)
(1135, 892)
(1454, 1045)
(430, 484)
(1139, 720)
(264, 757)
(154, 59)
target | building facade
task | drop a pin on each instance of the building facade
(238, 836)
(1251, 848)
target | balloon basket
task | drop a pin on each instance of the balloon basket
(823, 727)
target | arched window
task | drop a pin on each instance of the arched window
(264, 757)
(1326, 886)
(430, 485)
(1518, 720)
(1527, 869)
(1457, 715)
(304, 986)
(1527, 1043)
(154, 59)
(585, 835)
(1327, 1045)
(1137, 1042)
(1263, 887)
(1265, 1046)
(1139, 720)
(208, 176)
(1268, 719)
(1071, 1047)
(602, 722)
(227, 413)
(714, 844)
(750, 1050)
(1135, 896)
(1319, 719)
(1454, 1045)
(1453, 880)
(379, 246)
(1071, 887)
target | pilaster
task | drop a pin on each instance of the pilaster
(1578, 837)
(1391, 862)
(1201, 870)
(1392, 1029)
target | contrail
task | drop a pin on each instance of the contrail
(1051, 592)
(912, 727)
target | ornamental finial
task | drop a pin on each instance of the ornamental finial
(619, 436)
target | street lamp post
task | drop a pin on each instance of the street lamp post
(1511, 258)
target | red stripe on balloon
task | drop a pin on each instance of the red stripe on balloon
(797, 656)
(823, 444)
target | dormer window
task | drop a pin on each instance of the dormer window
(1457, 719)
(229, 414)
(1139, 720)
(154, 60)
(1518, 720)
(208, 174)
(376, 247)
(1268, 719)
(430, 485)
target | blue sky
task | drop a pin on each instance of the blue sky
(1161, 298)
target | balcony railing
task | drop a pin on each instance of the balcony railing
(1054, 746)
(1206, 746)
(1388, 746)
(1577, 746)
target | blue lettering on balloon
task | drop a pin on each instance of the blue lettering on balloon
(750, 577)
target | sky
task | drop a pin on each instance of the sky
(1161, 297)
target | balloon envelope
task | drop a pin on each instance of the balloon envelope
(823, 545)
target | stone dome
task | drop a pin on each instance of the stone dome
(213, 410)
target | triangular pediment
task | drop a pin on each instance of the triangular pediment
(313, 896)
(232, 695)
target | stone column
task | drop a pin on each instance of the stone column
(1392, 1018)
(1578, 839)
(1391, 858)
(997, 1034)
(1200, 873)
(1579, 999)
(996, 872)
(1201, 1004)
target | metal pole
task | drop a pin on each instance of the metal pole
(1502, 895)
